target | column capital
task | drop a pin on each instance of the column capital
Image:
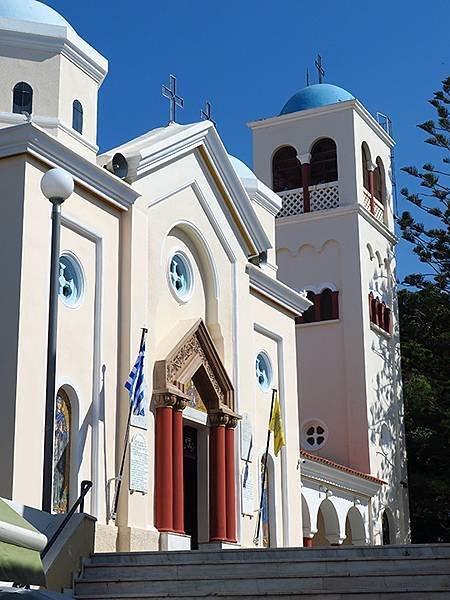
(371, 166)
(170, 397)
(223, 418)
(305, 158)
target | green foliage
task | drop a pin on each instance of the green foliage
(425, 333)
(425, 336)
(431, 244)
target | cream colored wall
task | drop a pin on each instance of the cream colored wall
(312, 250)
(56, 83)
(12, 183)
(40, 70)
(384, 385)
(77, 85)
(93, 324)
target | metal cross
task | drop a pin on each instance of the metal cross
(319, 67)
(171, 93)
(206, 113)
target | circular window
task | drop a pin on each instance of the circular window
(314, 435)
(71, 280)
(180, 276)
(263, 371)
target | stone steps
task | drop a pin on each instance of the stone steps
(380, 573)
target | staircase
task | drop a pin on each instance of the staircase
(419, 572)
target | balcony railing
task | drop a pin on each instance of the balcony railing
(378, 207)
(321, 197)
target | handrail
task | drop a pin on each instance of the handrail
(84, 488)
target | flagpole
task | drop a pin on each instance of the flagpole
(258, 524)
(125, 446)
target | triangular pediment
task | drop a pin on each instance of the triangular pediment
(157, 148)
(195, 358)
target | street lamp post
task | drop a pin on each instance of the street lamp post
(56, 185)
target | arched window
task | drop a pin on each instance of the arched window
(309, 316)
(61, 453)
(326, 305)
(77, 116)
(365, 170)
(22, 98)
(324, 162)
(386, 530)
(286, 170)
(378, 181)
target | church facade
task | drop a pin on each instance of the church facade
(281, 278)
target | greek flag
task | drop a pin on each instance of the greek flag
(135, 384)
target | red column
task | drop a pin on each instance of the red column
(307, 542)
(164, 469)
(230, 482)
(217, 485)
(178, 480)
(306, 170)
(372, 192)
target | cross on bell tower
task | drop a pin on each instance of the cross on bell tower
(319, 67)
(171, 94)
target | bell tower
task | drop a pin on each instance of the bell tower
(330, 162)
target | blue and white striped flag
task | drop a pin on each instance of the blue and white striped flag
(135, 384)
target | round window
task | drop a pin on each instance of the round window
(263, 371)
(180, 276)
(314, 435)
(71, 280)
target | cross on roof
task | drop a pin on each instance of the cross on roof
(175, 100)
(320, 68)
(206, 113)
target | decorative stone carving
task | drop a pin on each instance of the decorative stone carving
(190, 349)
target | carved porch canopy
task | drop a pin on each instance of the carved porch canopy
(195, 358)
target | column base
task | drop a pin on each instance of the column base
(215, 546)
(170, 541)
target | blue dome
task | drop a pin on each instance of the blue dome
(314, 96)
(31, 10)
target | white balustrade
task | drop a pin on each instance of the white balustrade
(378, 206)
(322, 197)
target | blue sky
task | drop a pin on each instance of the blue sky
(249, 56)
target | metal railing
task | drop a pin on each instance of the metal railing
(84, 489)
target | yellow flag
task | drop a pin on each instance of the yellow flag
(276, 425)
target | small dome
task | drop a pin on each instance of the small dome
(31, 10)
(314, 96)
(244, 172)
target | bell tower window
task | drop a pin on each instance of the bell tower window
(365, 169)
(77, 116)
(324, 162)
(22, 98)
(286, 170)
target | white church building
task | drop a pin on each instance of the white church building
(281, 277)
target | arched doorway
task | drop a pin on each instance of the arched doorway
(194, 364)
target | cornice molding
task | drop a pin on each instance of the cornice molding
(357, 208)
(47, 123)
(328, 109)
(54, 39)
(325, 474)
(30, 139)
(276, 291)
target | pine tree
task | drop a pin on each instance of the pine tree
(431, 243)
